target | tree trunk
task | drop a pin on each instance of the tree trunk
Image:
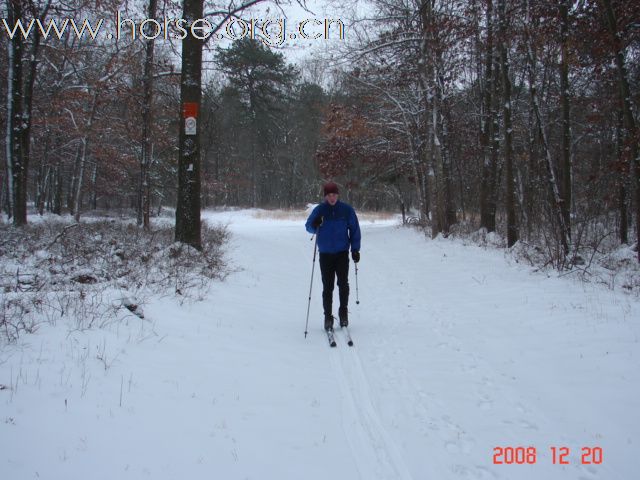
(84, 149)
(57, 192)
(94, 186)
(74, 180)
(422, 184)
(435, 155)
(417, 163)
(188, 208)
(622, 181)
(629, 121)
(42, 187)
(565, 169)
(78, 193)
(551, 176)
(15, 102)
(13, 85)
(3, 194)
(19, 108)
(446, 152)
(441, 180)
(487, 185)
(145, 161)
(424, 165)
(512, 228)
(495, 167)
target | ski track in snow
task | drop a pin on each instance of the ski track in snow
(374, 451)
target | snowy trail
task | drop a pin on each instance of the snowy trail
(456, 353)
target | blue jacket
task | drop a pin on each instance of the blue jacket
(339, 230)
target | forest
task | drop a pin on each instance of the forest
(515, 117)
(165, 313)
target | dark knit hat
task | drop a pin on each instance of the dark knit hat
(330, 188)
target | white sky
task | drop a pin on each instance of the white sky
(292, 14)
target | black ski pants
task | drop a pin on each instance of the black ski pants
(334, 265)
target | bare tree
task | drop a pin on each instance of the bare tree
(188, 208)
(625, 97)
(552, 182)
(20, 102)
(144, 189)
(565, 178)
(488, 123)
(512, 228)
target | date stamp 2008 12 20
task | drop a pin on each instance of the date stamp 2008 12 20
(559, 455)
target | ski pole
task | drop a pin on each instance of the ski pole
(357, 296)
(315, 248)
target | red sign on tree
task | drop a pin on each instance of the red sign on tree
(189, 109)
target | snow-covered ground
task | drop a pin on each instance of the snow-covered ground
(457, 352)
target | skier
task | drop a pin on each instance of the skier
(337, 228)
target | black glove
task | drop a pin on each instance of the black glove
(356, 256)
(316, 223)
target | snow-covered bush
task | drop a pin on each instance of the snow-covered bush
(595, 254)
(96, 271)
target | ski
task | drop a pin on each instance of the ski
(331, 337)
(348, 335)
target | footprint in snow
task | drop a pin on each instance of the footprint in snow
(485, 402)
(522, 409)
(452, 447)
(469, 368)
(487, 382)
(522, 423)
(528, 425)
(475, 473)
(589, 470)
